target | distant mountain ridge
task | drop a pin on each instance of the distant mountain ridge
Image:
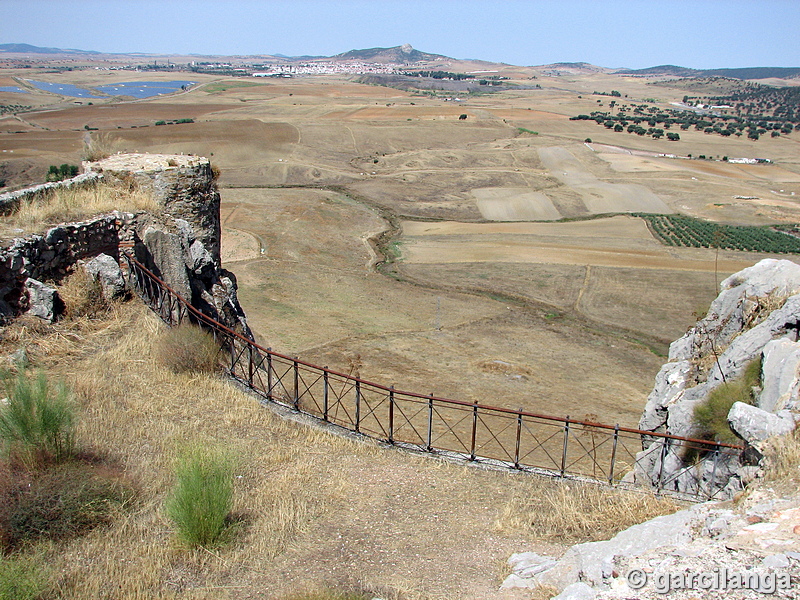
(29, 49)
(396, 54)
(407, 54)
(739, 73)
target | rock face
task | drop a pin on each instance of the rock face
(757, 536)
(184, 185)
(180, 244)
(756, 315)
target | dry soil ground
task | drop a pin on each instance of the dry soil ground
(313, 168)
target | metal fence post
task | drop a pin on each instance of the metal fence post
(519, 435)
(430, 423)
(269, 373)
(391, 415)
(710, 492)
(613, 455)
(661, 466)
(250, 365)
(358, 405)
(325, 394)
(296, 401)
(564, 451)
(474, 430)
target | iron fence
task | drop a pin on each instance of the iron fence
(522, 440)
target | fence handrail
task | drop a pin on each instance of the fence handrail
(711, 445)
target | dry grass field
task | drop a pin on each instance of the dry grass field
(314, 168)
(315, 509)
(373, 231)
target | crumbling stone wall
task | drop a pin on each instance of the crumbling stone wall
(180, 244)
(51, 256)
(10, 200)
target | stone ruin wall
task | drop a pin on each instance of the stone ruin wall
(180, 244)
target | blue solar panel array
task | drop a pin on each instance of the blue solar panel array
(14, 89)
(143, 89)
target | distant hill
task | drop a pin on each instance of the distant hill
(29, 49)
(741, 73)
(579, 67)
(397, 54)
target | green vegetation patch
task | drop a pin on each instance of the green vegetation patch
(679, 230)
(21, 578)
(37, 421)
(222, 86)
(202, 499)
(711, 415)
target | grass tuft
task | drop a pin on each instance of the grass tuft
(37, 423)
(100, 146)
(782, 458)
(202, 498)
(581, 512)
(711, 415)
(63, 205)
(21, 578)
(82, 296)
(188, 349)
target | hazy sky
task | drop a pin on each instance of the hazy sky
(610, 33)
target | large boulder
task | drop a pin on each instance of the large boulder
(105, 270)
(43, 300)
(755, 425)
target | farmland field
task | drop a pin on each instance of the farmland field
(480, 266)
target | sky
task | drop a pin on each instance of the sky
(703, 34)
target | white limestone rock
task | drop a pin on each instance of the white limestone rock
(755, 425)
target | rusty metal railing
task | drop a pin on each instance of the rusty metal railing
(522, 440)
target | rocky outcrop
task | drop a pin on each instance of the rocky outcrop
(185, 186)
(180, 243)
(756, 315)
(760, 537)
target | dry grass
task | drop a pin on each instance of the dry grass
(782, 458)
(82, 296)
(315, 511)
(188, 349)
(64, 205)
(581, 512)
(100, 146)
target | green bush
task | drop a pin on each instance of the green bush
(202, 498)
(711, 415)
(188, 349)
(21, 578)
(37, 424)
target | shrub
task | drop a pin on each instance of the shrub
(711, 415)
(37, 423)
(21, 578)
(99, 147)
(202, 498)
(63, 502)
(188, 349)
